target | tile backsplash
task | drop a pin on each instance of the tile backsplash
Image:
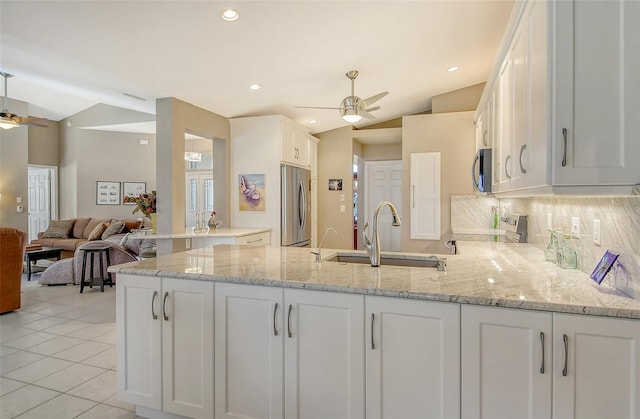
(619, 225)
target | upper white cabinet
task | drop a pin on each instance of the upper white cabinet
(413, 358)
(425, 196)
(596, 369)
(566, 92)
(295, 144)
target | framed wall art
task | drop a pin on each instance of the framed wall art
(131, 190)
(107, 193)
(251, 192)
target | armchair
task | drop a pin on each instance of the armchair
(12, 245)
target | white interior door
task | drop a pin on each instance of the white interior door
(384, 183)
(39, 200)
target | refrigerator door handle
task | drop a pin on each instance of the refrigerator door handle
(302, 205)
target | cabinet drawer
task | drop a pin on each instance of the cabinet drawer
(256, 239)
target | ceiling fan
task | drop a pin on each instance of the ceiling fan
(9, 120)
(352, 108)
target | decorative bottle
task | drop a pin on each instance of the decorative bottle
(212, 221)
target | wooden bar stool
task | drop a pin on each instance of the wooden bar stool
(100, 251)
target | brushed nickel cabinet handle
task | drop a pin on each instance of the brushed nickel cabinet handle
(564, 147)
(413, 195)
(542, 347)
(154, 316)
(254, 241)
(506, 167)
(522, 149)
(289, 321)
(275, 311)
(373, 317)
(565, 338)
(164, 305)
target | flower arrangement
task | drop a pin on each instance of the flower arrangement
(145, 203)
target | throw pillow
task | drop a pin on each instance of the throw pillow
(115, 227)
(96, 233)
(58, 229)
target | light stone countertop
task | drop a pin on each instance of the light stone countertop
(493, 274)
(218, 232)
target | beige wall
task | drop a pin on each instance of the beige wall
(451, 134)
(173, 118)
(44, 144)
(465, 99)
(372, 152)
(87, 156)
(14, 150)
(335, 161)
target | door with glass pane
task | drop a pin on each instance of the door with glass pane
(199, 194)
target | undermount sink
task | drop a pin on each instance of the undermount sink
(392, 260)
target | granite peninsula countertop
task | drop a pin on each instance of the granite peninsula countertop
(218, 232)
(492, 274)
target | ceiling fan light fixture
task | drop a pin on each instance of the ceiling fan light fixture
(8, 123)
(351, 116)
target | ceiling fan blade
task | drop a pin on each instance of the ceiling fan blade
(31, 120)
(316, 107)
(375, 108)
(371, 100)
(366, 114)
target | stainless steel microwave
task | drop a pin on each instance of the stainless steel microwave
(481, 170)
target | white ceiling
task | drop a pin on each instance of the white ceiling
(70, 55)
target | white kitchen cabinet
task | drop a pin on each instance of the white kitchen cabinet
(425, 196)
(596, 368)
(596, 97)
(575, 99)
(165, 344)
(506, 363)
(295, 145)
(316, 357)
(413, 358)
(481, 129)
(249, 351)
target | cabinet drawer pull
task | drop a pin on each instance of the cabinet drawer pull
(289, 321)
(565, 338)
(564, 147)
(164, 306)
(542, 347)
(522, 149)
(506, 167)
(154, 316)
(254, 241)
(275, 311)
(373, 317)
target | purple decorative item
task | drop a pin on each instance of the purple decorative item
(604, 266)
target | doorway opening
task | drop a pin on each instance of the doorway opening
(383, 182)
(42, 199)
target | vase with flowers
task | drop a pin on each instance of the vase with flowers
(146, 204)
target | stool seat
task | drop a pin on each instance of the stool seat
(103, 253)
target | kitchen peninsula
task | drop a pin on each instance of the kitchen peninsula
(283, 336)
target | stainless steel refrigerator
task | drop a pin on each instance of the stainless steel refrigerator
(295, 219)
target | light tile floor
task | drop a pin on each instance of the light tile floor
(58, 355)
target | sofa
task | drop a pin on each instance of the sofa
(68, 235)
(12, 246)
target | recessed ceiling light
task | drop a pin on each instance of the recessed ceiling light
(453, 68)
(313, 121)
(229, 15)
(255, 86)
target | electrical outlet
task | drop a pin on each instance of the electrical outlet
(549, 221)
(596, 232)
(575, 227)
(341, 197)
(342, 208)
(187, 243)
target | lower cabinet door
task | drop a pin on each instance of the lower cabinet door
(187, 347)
(324, 355)
(139, 334)
(506, 363)
(596, 372)
(412, 359)
(249, 349)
